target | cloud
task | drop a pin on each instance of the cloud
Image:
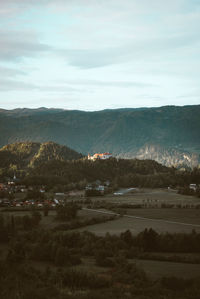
(16, 45)
(9, 82)
(137, 50)
(10, 85)
(110, 50)
(13, 7)
(99, 83)
(10, 72)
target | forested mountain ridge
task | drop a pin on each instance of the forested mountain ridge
(26, 154)
(167, 134)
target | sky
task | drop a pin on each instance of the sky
(99, 54)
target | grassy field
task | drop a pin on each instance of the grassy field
(137, 225)
(160, 219)
(154, 269)
(50, 222)
(191, 216)
(157, 269)
(172, 220)
(153, 197)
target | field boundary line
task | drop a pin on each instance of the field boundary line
(141, 218)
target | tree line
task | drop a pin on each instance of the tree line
(121, 173)
(62, 252)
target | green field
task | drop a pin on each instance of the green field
(162, 220)
(157, 269)
(137, 225)
(154, 269)
(191, 216)
(153, 197)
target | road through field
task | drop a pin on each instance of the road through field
(143, 218)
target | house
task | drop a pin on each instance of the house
(2, 187)
(193, 187)
(96, 186)
(102, 156)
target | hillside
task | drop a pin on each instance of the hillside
(170, 134)
(165, 155)
(26, 154)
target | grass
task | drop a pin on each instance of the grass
(157, 269)
(153, 196)
(154, 269)
(158, 217)
(180, 215)
(49, 222)
(137, 225)
(155, 215)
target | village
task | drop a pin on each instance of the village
(15, 194)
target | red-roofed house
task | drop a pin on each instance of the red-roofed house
(103, 156)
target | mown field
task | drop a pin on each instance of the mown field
(157, 269)
(136, 225)
(136, 220)
(190, 216)
(184, 218)
(153, 197)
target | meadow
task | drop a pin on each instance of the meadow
(122, 251)
(183, 216)
(154, 269)
(153, 197)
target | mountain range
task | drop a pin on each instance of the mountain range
(169, 134)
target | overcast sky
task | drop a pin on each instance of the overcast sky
(98, 54)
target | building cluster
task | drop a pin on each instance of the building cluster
(193, 187)
(99, 186)
(15, 195)
(102, 156)
(12, 194)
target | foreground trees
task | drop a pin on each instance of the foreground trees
(41, 264)
(67, 211)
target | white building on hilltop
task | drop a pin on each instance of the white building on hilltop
(103, 156)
